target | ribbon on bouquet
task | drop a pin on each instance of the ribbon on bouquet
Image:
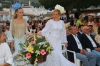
(41, 43)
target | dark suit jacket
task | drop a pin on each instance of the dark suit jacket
(78, 33)
(88, 43)
(72, 45)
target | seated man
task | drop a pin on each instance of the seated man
(80, 30)
(90, 42)
(76, 44)
(5, 53)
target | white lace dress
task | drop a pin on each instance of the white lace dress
(56, 34)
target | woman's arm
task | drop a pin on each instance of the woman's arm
(46, 29)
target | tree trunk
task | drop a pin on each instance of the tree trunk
(67, 14)
(78, 12)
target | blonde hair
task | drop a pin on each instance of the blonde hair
(15, 15)
(56, 10)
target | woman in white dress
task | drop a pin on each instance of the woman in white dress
(55, 33)
(18, 29)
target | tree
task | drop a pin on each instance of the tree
(50, 4)
(83, 4)
(70, 4)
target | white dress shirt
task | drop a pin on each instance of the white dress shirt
(78, 42)
(93, 43)
(81, 32)
(5, 54)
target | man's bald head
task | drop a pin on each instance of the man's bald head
(86, 29)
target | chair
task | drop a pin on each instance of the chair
(76, 61)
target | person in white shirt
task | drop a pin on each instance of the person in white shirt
(91, 43)
(5, 53)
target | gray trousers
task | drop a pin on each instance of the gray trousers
(89, 59)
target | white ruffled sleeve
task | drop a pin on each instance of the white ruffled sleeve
(64, 37)
(46, 29)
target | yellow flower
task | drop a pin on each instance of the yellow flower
(48, 50)
(66, 26)
(30, 49)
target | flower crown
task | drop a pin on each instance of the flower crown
(16, 6)
(60, 8)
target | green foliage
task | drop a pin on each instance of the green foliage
(0, 8)
(69, 4)
(41, 39)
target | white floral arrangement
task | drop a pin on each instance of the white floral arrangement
(59, 7)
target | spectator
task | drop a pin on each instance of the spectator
(5, 53)
(90, 42)
(76, 44)
(91, 30)
(80, 30)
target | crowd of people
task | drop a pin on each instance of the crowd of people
(84, 33)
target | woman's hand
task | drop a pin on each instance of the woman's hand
(39, 33)
(30, 34)
(66, 44)
(12, 45)
(7, 64)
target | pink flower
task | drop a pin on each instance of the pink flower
(42, 52)
(28, 55)
(32, 42)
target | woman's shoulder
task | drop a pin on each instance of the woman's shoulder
(50, 20)
(24, 20)
(61, 21)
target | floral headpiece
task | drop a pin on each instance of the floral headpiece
(16, 6)
(60, 8)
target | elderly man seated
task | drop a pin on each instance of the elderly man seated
(91, 43)
(5, 53)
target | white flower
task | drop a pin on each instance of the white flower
(60, 8)
(37, 52)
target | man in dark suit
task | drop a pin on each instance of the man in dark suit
(76, 44)
(80, 27)
(90, 42)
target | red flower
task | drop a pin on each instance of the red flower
(28, 55)
(42, 52)
(32, 42)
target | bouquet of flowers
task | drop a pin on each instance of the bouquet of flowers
(35, 49)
